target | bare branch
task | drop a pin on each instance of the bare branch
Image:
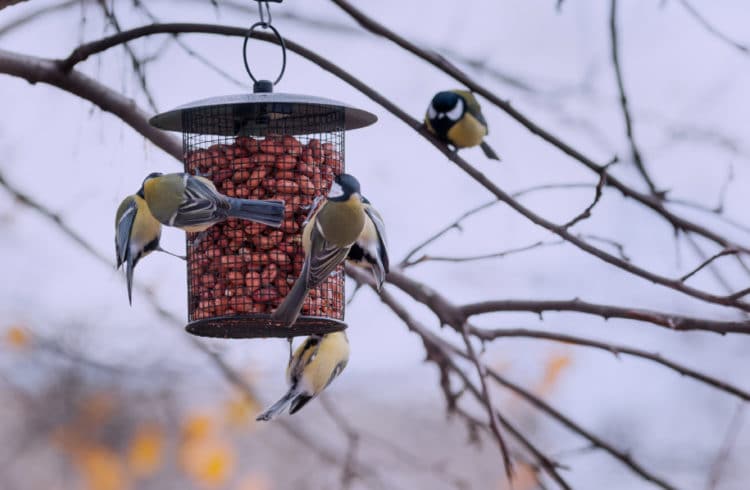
(36, 70)
(37, 14)
(670, 321)
(586, 213)
(473, 258)
(726, 251)
(444, 65)
(744, 49)
(437, 347)
(635, 152)
(615, 349)
(730, 440)
(454, 225)
(540, 404)
(486, 400)
(8, 3)
(86, 50)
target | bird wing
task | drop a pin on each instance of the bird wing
(126, 218)
(323, 257)
(304, 354)
(377, 220)
(201, 204)
(472, 106)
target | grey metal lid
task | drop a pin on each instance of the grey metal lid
(250, 113)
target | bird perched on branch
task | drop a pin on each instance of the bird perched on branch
(137, 234)
(454, 116)
(192, 203)
(311, 369)
(326, 239)
(370, 249)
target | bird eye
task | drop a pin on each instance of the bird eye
(431, 112)
(458, 111)
(336, 190)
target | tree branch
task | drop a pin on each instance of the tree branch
(635, 152)
(670, 321)
(447, 67)
(744, 49)
(615, 349)
(86, 50)
(36, 70)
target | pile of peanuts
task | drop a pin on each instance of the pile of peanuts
(241, 267)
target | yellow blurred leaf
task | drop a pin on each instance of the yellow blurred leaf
(524, 478)
(197, 426)
(208, 461)
(100, 469)
(97, 408)
(556, 364)
(254, 481)
(240, 411)
(17, 337)
(146, 450)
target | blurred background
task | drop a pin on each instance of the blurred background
(98, 395)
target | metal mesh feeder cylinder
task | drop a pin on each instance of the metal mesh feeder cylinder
(261, 146)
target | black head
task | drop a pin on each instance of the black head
(445, 110)
(445, 101)
(150, 176)
(343, 187)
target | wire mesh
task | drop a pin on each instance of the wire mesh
(239, 271)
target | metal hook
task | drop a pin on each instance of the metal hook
(281, 43)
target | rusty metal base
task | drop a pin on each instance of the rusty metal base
(261, 326)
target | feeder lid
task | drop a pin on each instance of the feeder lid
(251, 113)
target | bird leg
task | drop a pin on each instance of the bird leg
(311, 207)
(170, 253)
(198, 239)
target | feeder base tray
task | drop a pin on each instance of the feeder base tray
(261, 326)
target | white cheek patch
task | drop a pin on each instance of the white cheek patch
(431, 112)
(458, 111)
(336, 190)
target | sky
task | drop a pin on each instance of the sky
(689, 99)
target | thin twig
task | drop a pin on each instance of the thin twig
(456, 224)
(444, 65)
(615, 349)
(433, 343)
(635, 152)
(713, 30)
(726, 251)
(486, 400)
(586, 213)
(473, 258)
(729, 442)
(136, 62)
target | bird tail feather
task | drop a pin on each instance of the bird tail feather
(277, 407)
(270, 213)
(299, 402)
(379, 272)
(289, 309)
(129, 266)
(488, 151)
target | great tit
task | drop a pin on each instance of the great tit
(137, 234)
(311, 369)
(192, 203)
(370, 249)
(454, 116)
(326, 239)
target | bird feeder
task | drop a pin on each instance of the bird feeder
(262, 145)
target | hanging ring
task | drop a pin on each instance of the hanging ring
(264, 25)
